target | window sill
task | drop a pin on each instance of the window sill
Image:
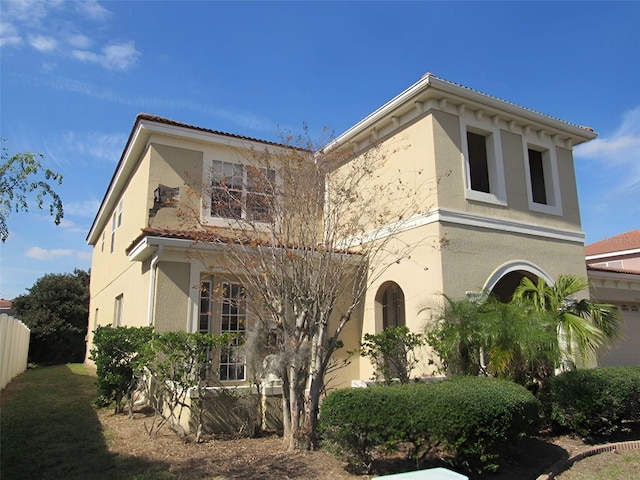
(485, 197)
(548, 209)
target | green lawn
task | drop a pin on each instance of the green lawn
(49, 429)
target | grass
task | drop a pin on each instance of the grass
(623, 465)
(50, 430)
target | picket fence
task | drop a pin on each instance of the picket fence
(14, 348)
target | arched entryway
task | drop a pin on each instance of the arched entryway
(504, 280)
(390, 305)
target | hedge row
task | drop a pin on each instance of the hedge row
(470, 418)
(593, 403)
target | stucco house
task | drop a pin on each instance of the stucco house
(613, 269)
(505, 204)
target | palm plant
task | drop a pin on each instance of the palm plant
(583, 326)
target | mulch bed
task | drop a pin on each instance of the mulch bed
(222, 458)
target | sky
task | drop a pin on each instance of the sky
(74, 74)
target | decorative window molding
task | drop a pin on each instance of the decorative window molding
(239, 192)
(483, 162)
(541, 174)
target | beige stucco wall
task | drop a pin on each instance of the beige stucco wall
(419, 274)
(172, 297)
(472, 254)
(448, 133)
(112, 274)
(175, 167)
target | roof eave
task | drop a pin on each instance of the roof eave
(430, 86)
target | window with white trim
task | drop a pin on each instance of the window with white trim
(116, 221)
(233, 319)
(113, 233)
(204, 321)
(119, 214)
(241, 192)
(484, 170)
(118, 311)
(543, 183)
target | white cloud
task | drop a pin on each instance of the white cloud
(31, 12)
(9, 35)
(93, 10)
(51, 254)
(611, 182)
(42, 43)
(622, 147)
(79, 41)
(112, 57)
(87, 208)
(54, 25)
(103, 146)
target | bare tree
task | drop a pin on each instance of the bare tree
(309, 231)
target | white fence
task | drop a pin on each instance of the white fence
(14, 347)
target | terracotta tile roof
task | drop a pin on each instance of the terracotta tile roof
(167, 121)
(625, 241)
(600, 268)
(588, 129)
(215, 235)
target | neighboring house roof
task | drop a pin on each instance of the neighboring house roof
(625, 242)
(5, 304)
(599, 268)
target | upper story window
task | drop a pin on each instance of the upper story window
(543, 183)
(484, 170)
(116, 221)
(241, 191)
(478, 162)
(113, 233)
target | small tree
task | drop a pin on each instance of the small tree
(392, 353)
(178, 364)
(484, 336)
(583, 326)
(20, 177)
(455, 334)
(117, 353)
(308, 241)
(56, 310)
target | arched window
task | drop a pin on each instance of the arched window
(390, 305)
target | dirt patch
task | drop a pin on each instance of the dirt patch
(265, 457)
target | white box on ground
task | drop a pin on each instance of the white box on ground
(428, 474)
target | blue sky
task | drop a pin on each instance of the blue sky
(75, 74)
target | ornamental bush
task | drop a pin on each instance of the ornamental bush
(118, 359)
(593, 403)
(470, 419)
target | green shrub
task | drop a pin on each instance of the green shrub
(391, 353)
(470, 418)
(593, 403)
(116, 353)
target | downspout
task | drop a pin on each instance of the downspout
(152, 285)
